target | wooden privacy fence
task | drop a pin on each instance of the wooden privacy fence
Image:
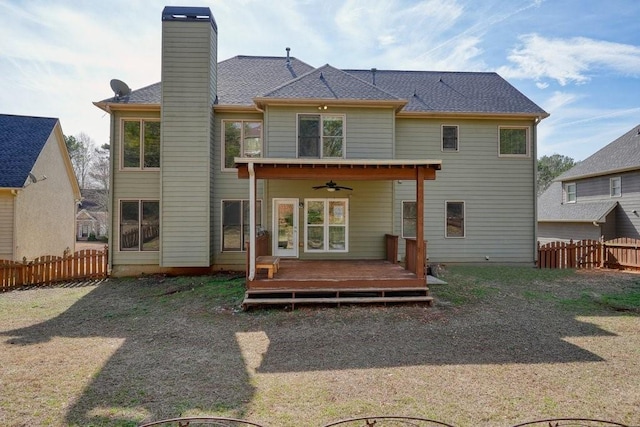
(48, 269)
(621, 253)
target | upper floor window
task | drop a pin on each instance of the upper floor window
(242, 138)
(570, 192)
(615, 187)
(141, 144)
(409, 219)
(321, 136)
(449, 138)
(455, 226)
(514, 141)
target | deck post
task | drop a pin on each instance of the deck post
(252, 222)
(420, 256)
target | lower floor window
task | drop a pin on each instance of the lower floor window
(454, 226)
(235, 223)
(139, 225)
(409, 215)
(326, 225)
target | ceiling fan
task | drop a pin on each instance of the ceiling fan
(332, 186)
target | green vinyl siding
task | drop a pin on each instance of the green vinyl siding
(498, 192)
(227, 186)
(188, 93)
(370, 214)
(130, 185)
(368, 131)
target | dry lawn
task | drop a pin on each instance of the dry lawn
(501, 346)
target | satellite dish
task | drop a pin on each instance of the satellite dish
(33, 178)
(120, 88)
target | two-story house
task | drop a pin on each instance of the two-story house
(599, 198)
(327, 161)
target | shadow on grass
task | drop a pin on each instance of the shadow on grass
(174, 357)
(181, 351)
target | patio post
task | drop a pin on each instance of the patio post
(420, 257)
(252, 222)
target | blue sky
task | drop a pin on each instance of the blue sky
(577, 59)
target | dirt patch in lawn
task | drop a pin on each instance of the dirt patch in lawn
(500, 346)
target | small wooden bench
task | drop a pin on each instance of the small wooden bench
(270, 263)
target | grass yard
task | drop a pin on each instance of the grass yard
(502, 345)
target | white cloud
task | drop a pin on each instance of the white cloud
(571, 60)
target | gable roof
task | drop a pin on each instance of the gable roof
(551, 208)
(328, 82)
(620, 155)
(93, 199)
(242, 79)
(21, 141)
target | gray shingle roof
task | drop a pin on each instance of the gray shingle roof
(243, 78)
(551, 208)
(621, 154)
(328, 82)
(21, 141)
(456, 92)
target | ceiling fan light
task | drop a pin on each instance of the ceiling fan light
(331, 189)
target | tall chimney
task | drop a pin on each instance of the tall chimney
(189, 88)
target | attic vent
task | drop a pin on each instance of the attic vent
(321, 76)
(440, 80)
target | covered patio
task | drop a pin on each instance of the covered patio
(338, 280)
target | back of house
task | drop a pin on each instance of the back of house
(324, 161)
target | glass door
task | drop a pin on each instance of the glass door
(285, 224)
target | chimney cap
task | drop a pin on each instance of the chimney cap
(188, 14)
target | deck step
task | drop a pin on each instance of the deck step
(338, 296)
(248, 302)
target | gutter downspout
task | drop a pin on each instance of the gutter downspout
(252, 221)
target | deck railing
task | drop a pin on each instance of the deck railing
(48, 269)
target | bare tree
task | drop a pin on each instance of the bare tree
(81, 152)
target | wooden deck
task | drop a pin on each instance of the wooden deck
(336, 282)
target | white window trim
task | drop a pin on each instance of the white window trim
(442, 149)
(464, 217)
(565, 192)
(326, 225)
(611, 187)
(119, 230)
(322, 115)
(402, 202)
(140, 168)
(223, 146)
(528, 142)
(242, 250)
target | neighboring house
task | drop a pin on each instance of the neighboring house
(92, 217)
(597, 198)
(38, 189)
(218, 147)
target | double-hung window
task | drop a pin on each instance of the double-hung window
(454, 225)
(449, 138)
(570, 192)
(615, 187)
(321, 136)
(409, 219)
(513, 141)
(236, 224)
(326, 225)
(140, 144)
(242, 138)
(139, 225)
